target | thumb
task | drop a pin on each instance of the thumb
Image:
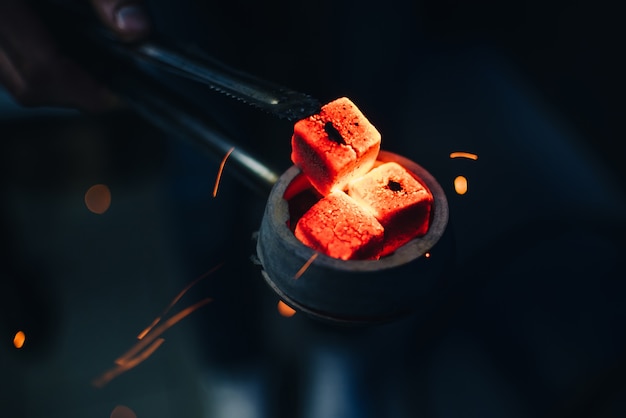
(127, 18)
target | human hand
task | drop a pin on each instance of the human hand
(35, 71)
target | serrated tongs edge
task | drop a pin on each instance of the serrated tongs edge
(278, 100)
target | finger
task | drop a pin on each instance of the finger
(127, 18)
(22, 35)
(62, 84)
(9, 76)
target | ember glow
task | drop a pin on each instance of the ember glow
(381, 211)
(334, 146)
(339, 227)
(98, 198)
(368, 209)
(19, 339)
(398, 201)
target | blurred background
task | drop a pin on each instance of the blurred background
(529, 322)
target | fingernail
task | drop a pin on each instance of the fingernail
(132, 19)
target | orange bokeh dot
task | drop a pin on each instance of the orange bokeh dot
(285, 310)
(98, 198)
(19, 339)
(122, 411)
(460, 185)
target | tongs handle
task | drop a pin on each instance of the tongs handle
(171, 113)
(132, 76)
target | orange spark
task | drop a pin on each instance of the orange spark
(221, 169)
(176, 299)
(461, 154)
(148, 342)
(145, 346)
(460, 185)
(121, 368)
(151, 336)
(19, 339)
(305, 266)
(148, 328)
(189, 286)
(427, 255)
(285, 310)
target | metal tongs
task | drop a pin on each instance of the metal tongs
(270, 97)
(171, 111)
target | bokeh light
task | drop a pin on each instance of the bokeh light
(19, 339)
(122, 411)
(285, 310)
(460, 185)
(98, 198)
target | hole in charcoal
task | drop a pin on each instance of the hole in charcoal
(333, 133)
(394, 186)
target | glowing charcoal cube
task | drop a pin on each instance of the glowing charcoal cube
(400, 203)
(334, 146)
(340, 228)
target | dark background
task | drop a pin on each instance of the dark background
(536, 324)
(570, 52)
